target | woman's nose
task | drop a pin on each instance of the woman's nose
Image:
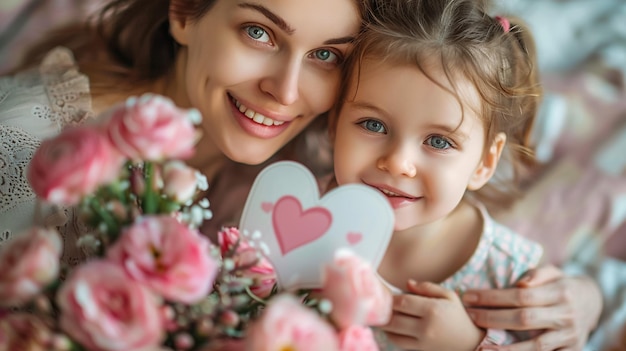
(283, 82)
(399, 161)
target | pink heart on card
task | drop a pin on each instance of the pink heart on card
(295, 227)
(267, 207)
(354, 238)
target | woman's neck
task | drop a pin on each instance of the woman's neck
(434, 251)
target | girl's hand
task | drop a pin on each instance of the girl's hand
(564, 309)
(431, 318)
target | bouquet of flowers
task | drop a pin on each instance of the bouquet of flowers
(153, 281)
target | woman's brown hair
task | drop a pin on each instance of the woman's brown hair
(125, 44)
(460, 37)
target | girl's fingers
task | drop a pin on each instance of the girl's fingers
(401, 324)
(411, 305)
(428, 289)
(402, 341)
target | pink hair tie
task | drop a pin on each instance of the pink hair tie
(504, 22)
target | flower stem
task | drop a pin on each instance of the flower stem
(254, 297)
(105, 216)
(149, 202)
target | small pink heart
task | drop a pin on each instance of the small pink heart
(354, 238)
(267, 207)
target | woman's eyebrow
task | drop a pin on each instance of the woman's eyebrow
(282, 24)
(279, 21)
(342, 40)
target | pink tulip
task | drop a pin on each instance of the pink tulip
(104, 310)
(152, 128)
(288, 325)
(262, 272)
(357, 295)
(168, 256)
(72, 165)
(30, 261)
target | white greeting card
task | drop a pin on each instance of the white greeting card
(300, 232)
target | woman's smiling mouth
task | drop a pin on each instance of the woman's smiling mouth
(255, 116)
(255, 123)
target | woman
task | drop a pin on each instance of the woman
(258, 71)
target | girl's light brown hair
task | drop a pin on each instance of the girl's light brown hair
(462, 39)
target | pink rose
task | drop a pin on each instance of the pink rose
(357, 338)
(104, 310)
(25, 332)
(30, 261)
(152, 128)
(262, 272)
(357, 295)
(72, 165)
(179, 181)
(287, 325)
(168, 256)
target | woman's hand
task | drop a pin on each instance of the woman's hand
(431, 317)
(563, 309)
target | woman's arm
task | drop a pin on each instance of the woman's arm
(563, 309)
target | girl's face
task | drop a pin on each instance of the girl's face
(261, 71)
(404, 135)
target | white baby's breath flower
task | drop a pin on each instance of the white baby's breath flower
(325, 306)
(203, 183)
(204, 203)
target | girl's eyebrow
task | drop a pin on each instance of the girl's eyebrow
(279, 21)
(368, 106)
(284, 26)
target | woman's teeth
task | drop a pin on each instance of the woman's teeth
(390, 193)
(255, 116)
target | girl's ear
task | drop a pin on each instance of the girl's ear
(487, 167)
(179, 25)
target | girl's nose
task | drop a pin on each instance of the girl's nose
(399, 161)
(283, 83)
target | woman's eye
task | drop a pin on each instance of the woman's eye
(257, 33)
(438, 142)
(326, 55)
(373, 125)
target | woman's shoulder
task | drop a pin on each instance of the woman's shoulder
(35, 104)
(55, 92)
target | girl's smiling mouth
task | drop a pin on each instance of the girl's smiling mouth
(396, 197)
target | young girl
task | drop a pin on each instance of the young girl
(436, 92)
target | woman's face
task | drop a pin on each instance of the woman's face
(261, 71)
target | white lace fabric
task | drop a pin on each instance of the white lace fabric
(35, 105)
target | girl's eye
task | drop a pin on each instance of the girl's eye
(257, 33)
(438, 142)
(373, 125)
